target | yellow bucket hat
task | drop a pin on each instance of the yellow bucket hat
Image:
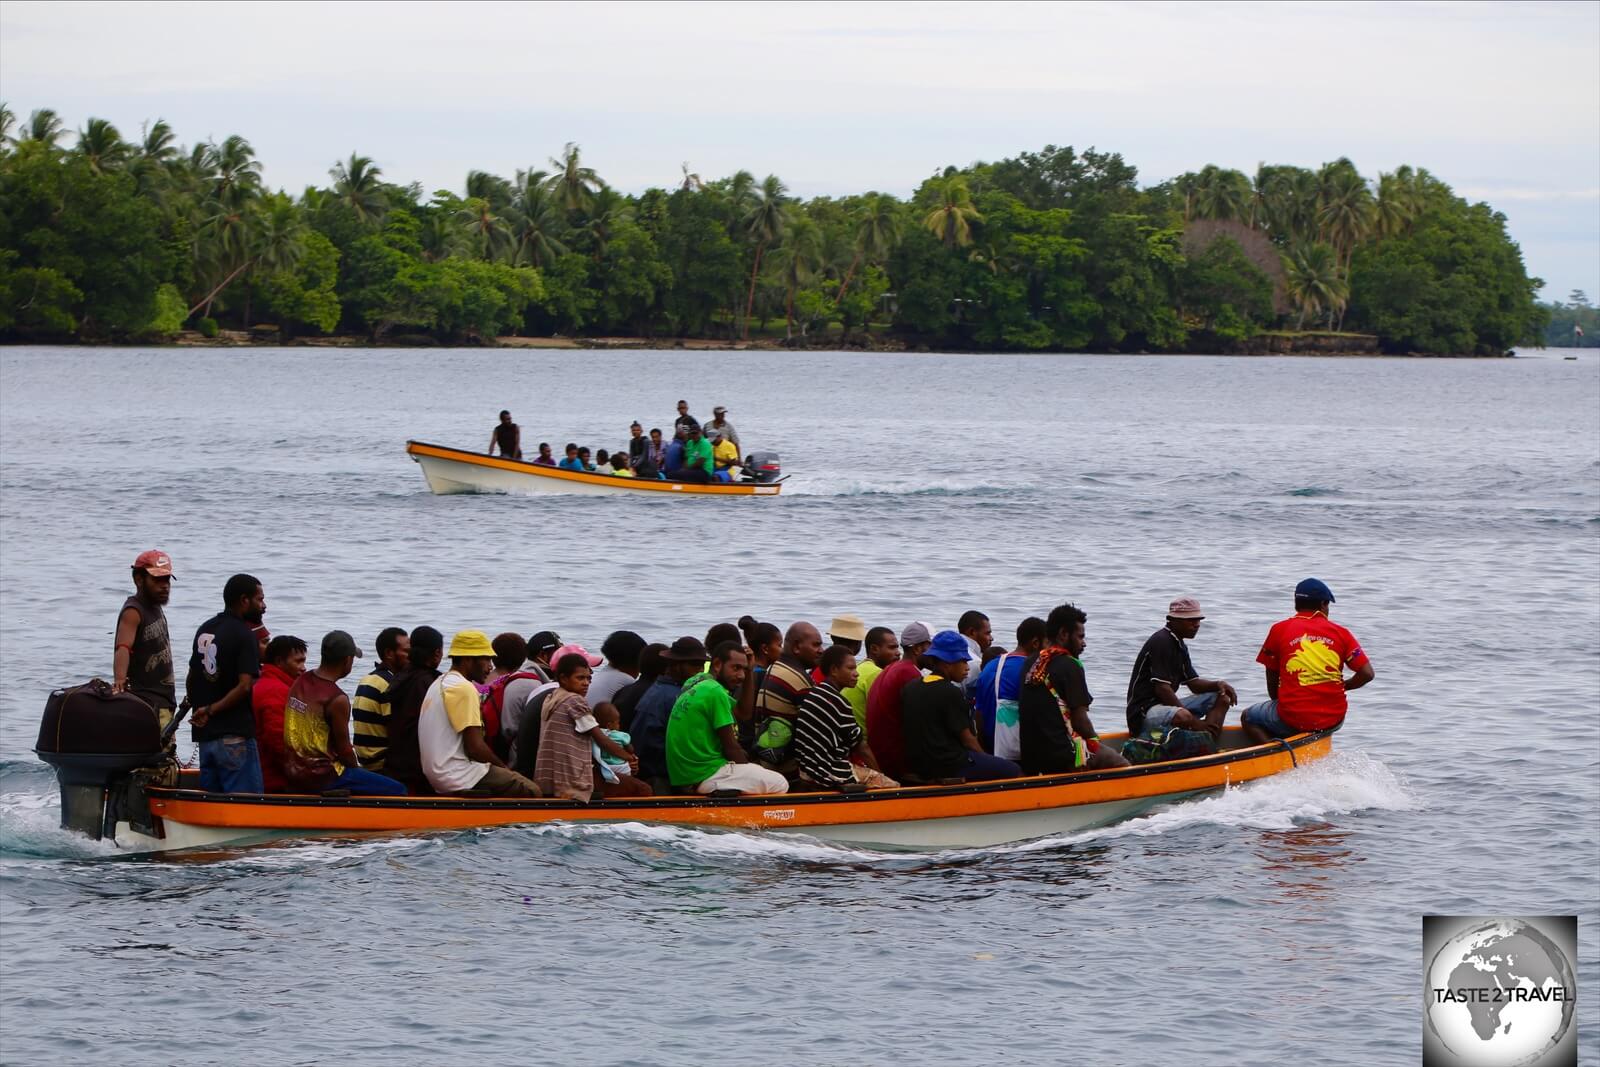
(470, 643)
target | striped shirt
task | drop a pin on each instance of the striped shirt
(369, 712)
(825, 733)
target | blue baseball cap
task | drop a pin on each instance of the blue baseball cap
(950, 647)
(1314, 589)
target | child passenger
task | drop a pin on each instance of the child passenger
(616, 777)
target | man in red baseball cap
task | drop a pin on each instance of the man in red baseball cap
(141, 663)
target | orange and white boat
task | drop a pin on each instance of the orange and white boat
(150, 818)
(456, 470)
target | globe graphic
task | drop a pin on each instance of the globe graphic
(1507, 960)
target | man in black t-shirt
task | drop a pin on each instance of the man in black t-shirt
(936, 722)
(1162, 666)
(682, 424)
(223, 666)
(1053, 707)
(507, 436)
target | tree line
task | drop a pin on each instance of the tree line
(116, 239)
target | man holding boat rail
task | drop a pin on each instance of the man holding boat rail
(141, 662)
(1305, 656)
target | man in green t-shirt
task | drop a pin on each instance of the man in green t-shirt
(703, 750)
(697, 460)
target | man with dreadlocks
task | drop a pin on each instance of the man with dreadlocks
(1053, 706)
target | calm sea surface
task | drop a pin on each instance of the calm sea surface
(1454, 507)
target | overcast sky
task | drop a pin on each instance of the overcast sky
(1500, 100)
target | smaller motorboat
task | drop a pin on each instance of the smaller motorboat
(456, 470)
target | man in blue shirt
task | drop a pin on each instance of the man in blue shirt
(999, 684)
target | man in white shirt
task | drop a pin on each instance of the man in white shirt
(456, 757)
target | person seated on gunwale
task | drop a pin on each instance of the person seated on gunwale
(369, 710)
(884, 701)
(683, 659)
(826, 734)
(616, 769)
(619, 465)
(703, 753)
(585, 458)
(571, 462)
(455, 757)
(778, 702)
(317, 754)
(402, 760)
(525, 752)
(1305, 656)
(883, 649)
(284, 662)
(1053, 707)
(602, 462)
(568, 731)
(1162, 666)
(937, 725)
(651, 667)
(696, 465)
(545, 458)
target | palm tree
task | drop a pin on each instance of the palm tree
(357, 187)
(491, 187)
(799, 258)
(691, 182)
(606, 210)
(158, 142)
(1314, 281)
(486, 232)
(8, 119)
(1345, 211)
(236, 169)
(573, 184)
(1187, 184)
(439, 236)
(951, 221)
(764, 223)
(1258, 196)
(1221, 194)
(535, 221)
(102, 146)
(43, 125)
(879, 225)
(1398, 202)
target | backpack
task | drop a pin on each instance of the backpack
(492, 698)
(1158, 746)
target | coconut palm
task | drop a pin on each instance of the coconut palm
(535, 221)
(1398, 202)
(573, 184)
(357, 186)
(764, 223)
(8, 119)
(606, 210)
(951, 221)
(691, 182)
(490, 187)
(799, 259)
(102, 146)
(486, 232)
(43, 125)
(237, 172)
(1187, 185)
(1345, 212)
(879, 224)
(1314, 281)
(1221, 194)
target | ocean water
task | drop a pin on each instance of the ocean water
(1454, 507)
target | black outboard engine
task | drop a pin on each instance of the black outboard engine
(105, 747)
(762, 467)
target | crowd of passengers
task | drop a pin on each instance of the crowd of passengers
(694, 453)
(747, 709)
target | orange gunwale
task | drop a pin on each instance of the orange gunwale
(786, 811)
(643, 485)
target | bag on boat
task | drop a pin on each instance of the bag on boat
(491, 699)
(1157, 746)
(773, 735)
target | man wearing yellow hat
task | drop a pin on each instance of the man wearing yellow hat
(455, 755)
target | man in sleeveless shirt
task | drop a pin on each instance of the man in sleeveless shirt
(317, 754)
(142, 659)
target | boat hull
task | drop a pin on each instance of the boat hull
(967, 815)
(453, 470)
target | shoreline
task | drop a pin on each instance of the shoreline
(1269, 344)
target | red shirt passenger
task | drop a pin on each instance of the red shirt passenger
(284, 662)
(883, 701)
(1305, 656)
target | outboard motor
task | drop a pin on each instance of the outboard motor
(106, 747)
(762, 467)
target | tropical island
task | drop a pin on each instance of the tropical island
(114, 240)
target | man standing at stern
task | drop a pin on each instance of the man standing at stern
(141, 663)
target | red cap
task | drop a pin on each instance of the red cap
(155, 563)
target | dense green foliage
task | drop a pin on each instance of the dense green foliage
(1054, 250)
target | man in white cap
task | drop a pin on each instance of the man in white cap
(883, 701)
(719, 424)
(141, 663)
(456, 756)
(1163, 665)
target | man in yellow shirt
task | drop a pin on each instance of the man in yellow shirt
(725, 456)
(455, 755)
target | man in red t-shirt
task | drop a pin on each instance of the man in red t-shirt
(883, 701)
(1305, 656)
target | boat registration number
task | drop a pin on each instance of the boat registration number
(779, 814)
